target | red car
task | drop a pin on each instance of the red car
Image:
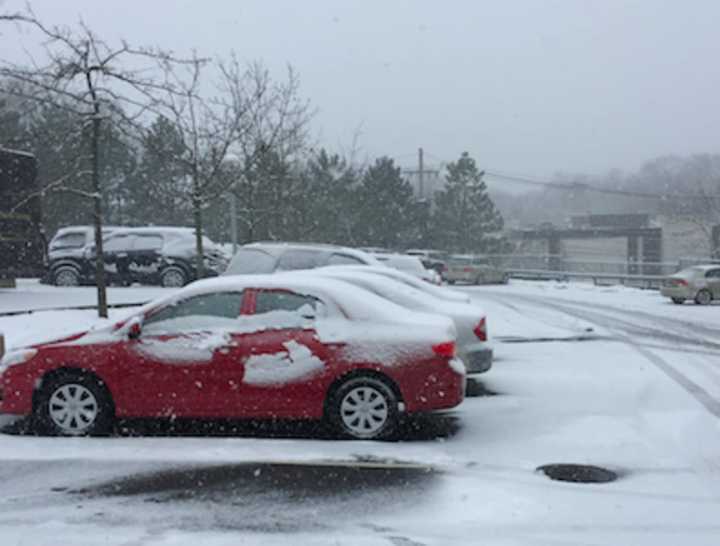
(254, 347)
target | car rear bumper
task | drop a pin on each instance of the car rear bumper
(443, 389)
(478, 359)
(676, 292)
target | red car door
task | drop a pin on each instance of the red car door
(286, 368)
(179, 365)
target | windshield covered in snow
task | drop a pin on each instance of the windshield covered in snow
(250, 261)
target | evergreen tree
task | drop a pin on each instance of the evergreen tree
(159, 192)
(386, 208)
(465, 218)
(328, 209)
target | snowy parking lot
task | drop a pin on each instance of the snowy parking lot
(609, 376)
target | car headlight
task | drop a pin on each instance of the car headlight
(13, 358)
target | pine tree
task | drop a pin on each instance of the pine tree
(385, 204)
(465, 218)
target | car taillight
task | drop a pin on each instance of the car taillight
(446, 349)
(679, 282)
(481, 330)
(467, 269)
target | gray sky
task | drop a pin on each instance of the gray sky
(528, 87)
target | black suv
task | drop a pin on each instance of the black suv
(148, 255)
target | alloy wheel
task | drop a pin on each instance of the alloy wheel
(173, 278)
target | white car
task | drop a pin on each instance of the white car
(441, 292)
(411, 265)
(470, 320)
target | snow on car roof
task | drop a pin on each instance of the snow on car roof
(178, 230)
(412, 280)
(357, 302)
(275, 248)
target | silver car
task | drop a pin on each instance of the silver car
(700, 283)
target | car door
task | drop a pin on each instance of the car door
(712, 276)
(286, 366)
(182, 362)
(144, 258)
(116, 254)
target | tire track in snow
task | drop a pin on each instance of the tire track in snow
(709, 402)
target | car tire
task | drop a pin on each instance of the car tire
(66, 275)
(703, 297)
(74, 404)
(678, 301)
(363, 408)
(173, 277)
(450, 281)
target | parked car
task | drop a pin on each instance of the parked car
(148, 255)
(700, 283)
(257, 347)
(473, 270)
(470, 320)
(270, 257)
(441, 292)
(67, 255)
(411, 265)
(431, 259)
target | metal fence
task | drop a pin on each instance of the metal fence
(558, 267)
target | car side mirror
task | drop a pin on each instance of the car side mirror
(134, 328)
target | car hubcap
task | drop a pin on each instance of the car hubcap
(66, 278)
(364, 411)
(73, 408)
(173, 279)
(704, 297)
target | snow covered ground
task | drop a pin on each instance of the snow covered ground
(609, 376)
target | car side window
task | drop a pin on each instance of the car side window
(713, 274)
(70, 240)
(116, 243)
(216, 310)
(267, 301)
(299, 259)
(148, 242)
(343, 259)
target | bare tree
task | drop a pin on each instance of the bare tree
(85, 75)
(225, 134)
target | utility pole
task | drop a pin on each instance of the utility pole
(421, 175)
(421, 171)
(233, 222)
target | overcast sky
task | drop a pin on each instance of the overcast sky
(528, 87)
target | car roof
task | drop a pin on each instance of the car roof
(275, 248)
(350, 297)
(152, 230)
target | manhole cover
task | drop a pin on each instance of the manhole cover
(578, 473)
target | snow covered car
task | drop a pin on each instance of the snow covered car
(411, 265)
(67, 254)
(146, 255)
(470, 320)
(256, 347)
(473, 270)
(270, 257)
(700, 283)
(441, 292)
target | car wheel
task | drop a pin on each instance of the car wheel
(450, 281)
(66, 276)
(703, 297)
(173, 277)
(678, 301)
(74, 404)
(364, 408)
